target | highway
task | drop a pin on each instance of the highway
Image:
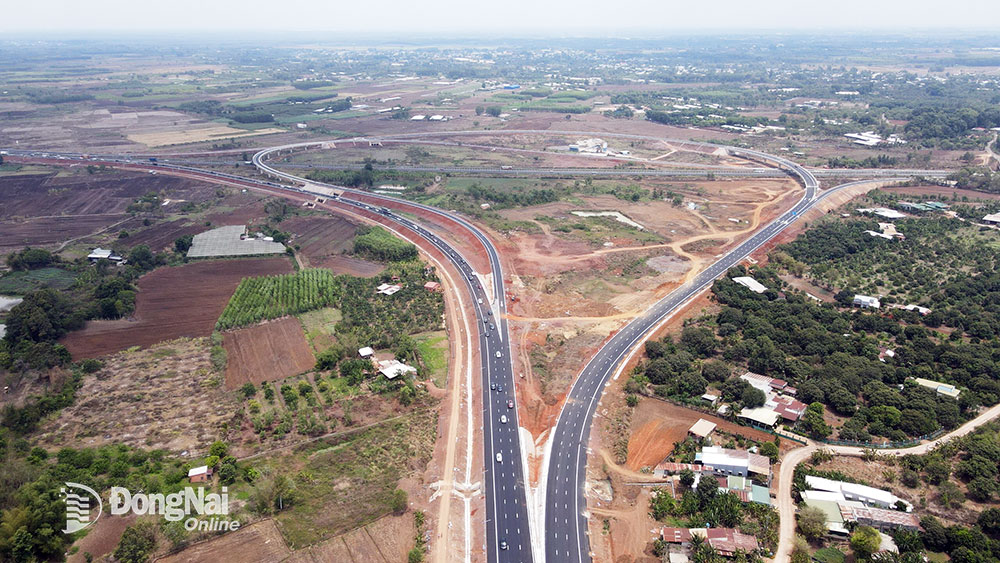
(508, 533)
(508, 536)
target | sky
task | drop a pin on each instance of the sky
(507, 17)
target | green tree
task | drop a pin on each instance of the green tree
(137, 544)
(812, 523)
(864, 542)
(399, 501)
(183, 243)
(661, 504)
(687, 478)
(218, 449)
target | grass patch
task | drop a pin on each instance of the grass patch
(433, 348)
(829, 555)
(24, 282)
(346, 482)
(319, 327)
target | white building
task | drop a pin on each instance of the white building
(725, 461)
(941, 388)
(365, 352)
(760, 416)
(751, 284)
(866, 302)
(103, 254)
(882, 212)
(992, 218)
(869, 496)
(392, 369)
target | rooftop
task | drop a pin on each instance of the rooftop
(201, 470)
(751, 284)
(702, 428)
(761, 415)
(231, 241)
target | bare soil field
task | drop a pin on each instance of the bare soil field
(103, 538)
(350, 265)
(165, 397)
(387, 540)
(260, 542)
(45, 231)
(572, 293)
(46, 209)
(266, 352)
(319, 236)
(942, 191)
(657, 425)
(195, 134)
(172, 302)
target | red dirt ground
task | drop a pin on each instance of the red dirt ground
(924, 191)
(51, 230)
(260, 541)
(269, 351)
(350, 265)
(657, 425)
(320, 235)
(171, 303)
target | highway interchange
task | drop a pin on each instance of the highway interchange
(563, 506)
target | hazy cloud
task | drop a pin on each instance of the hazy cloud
(512, 17)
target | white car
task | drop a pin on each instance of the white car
(499, 355)
(499, 457)
(480, 301)
(503, 419)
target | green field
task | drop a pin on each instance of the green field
(433, 348)
(23, 282)
(319, 327)
(347, 481)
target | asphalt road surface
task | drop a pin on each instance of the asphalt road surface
(508, 534)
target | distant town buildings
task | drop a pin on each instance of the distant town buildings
(872, 139)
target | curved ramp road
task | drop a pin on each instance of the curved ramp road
(507, 532)
(507, 518)
(508, 536)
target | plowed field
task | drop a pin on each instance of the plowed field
(172, 302)
(269, 351)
